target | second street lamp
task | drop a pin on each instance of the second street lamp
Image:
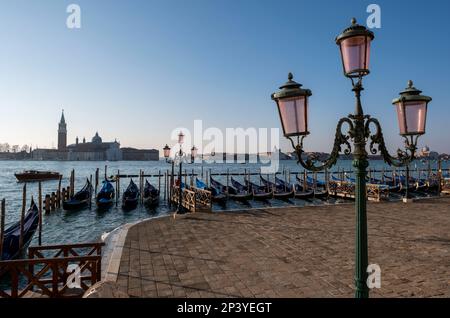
(292, 103)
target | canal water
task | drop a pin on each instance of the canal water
(61, 227)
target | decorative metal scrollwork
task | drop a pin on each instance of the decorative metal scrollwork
(339, 140)
(404, 157)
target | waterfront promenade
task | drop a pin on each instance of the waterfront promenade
(287, 252)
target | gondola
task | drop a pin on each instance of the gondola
(239, 192)
(299, 193)
(280, 193)
(151, 195)
(392, 187)
(130, 197)
(217, 194)
(105, 198)
(11, 241)
(320, 190)
(80, 200)
(401, 181)
(259, 192)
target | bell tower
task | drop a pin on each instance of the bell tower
(62, 133)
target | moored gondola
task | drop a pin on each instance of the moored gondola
(239, 192)
(11, 241)
(80, 200)
(279, 192)
(151, 195)
(299, 193)
(259, 192)
(105, 197)
(130, 198)
(320, 188)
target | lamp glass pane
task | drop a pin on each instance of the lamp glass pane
(181, 139)
(293, 113)
(412, 117)
(166, 153)
(355, 54)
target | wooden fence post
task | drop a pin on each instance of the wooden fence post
(2, 227)
(22, 215)
(47, 203)
(53, 201)
(40, 212)
(96, 180)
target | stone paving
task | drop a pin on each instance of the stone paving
(289, 252)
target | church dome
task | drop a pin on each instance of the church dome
(96, 139)
(425, 149)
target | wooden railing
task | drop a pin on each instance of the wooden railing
(50, 276)
(193, 199)
(346, 189)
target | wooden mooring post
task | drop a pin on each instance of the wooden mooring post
(106, 172)
(2, 227)
(47, 203)
(96, 180)
(53, 202)
(58, 193)
(159, 183)
(22, 215)
(40, 212)
(90, 192)
(118, 182)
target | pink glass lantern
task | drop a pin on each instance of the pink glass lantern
(181, 138)
(411, 111)
(194, 152)
(166, 150)
(354, 44)
(292, 102)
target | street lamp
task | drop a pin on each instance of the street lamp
(193, 153)
(180, 157)
(292, 103)
(166, 150)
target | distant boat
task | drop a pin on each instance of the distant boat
(105, 198)
(130, 197)
(81, 199)
(35, 175)
(151, 195)
(11, 249)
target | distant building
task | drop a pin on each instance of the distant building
(425, 153)
(96, 150)
(134, 154)
(62, 133)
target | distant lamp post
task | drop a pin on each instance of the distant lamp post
(180, 156)
(166, 150)
(193, 153)
(292, 103)
(411, 109)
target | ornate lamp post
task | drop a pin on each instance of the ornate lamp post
(292, 103)
(180, 157)
(193, 153)
(166, 150)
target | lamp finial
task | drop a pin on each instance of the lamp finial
(290, 76)
(353, 21)
(410, 84)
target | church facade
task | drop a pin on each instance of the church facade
(95, 150)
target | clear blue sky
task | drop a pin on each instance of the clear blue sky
(138, 69)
